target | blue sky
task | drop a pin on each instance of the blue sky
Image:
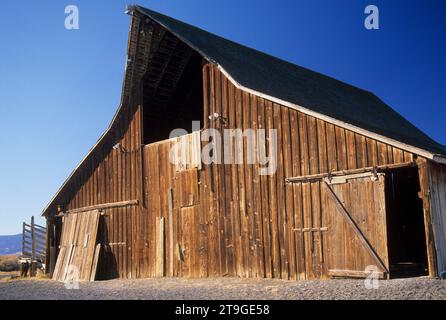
(59, 89)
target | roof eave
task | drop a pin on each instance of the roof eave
(439, 159)
(390, 141)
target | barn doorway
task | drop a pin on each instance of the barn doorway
(405, 224)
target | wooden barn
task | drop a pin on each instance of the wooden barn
(356, 187)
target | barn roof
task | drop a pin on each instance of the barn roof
(273, 77)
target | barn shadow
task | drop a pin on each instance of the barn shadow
(107, 264)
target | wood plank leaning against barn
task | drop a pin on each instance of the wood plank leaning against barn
(79, 253)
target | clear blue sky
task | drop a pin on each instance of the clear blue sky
(59, 89)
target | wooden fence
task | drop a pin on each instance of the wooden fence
(33, 241)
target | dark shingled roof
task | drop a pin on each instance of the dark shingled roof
(286, 81)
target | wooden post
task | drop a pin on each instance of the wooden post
(33, 244)
(32, 271)
(171, 246)
(159, 259)
(23, 238)
(49, 263)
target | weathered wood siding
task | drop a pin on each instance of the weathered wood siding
(433, 192)
(257, 215)
(78, 247)
(349, 251)
(438, 204)
(112, 175)
(178, 195)
(223, 219)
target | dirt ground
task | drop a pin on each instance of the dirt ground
(224, 288)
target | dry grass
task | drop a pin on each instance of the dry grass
(9, 270)
(9, 267)
(9, 257)
(9, 263)
(8, 276)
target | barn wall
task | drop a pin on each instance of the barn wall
(242, 223)
(179, 196)
(258, 214)
(113, 175)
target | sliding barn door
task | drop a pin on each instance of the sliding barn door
(357, 236)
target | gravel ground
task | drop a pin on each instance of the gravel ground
(224, 288)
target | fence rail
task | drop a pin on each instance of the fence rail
(33, 241)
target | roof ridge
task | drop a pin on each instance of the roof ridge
(269, 55)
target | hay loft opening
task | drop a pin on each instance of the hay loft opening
(172, 88)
